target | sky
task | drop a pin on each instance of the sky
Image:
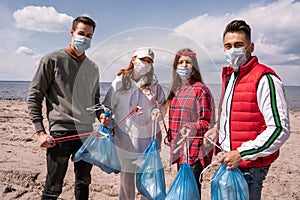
(29, 29)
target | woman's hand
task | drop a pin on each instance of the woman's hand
(185, 132)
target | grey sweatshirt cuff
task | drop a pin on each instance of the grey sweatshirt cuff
(38, 126)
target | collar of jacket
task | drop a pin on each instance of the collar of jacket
(243, 69)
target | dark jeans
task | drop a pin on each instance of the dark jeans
(255, 178)
(197, 169)
(57, 165)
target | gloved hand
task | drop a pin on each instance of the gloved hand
(185, 132)
(155, 114)
(209, 137)
(104, 119)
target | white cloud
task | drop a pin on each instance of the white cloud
(111, 56)
(129, 39)
(25, 51)
(293, 57)
(43, 19)
(275, 31)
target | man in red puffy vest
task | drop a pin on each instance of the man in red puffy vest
(253, 113)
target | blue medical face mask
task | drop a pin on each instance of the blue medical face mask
(81, 43)
(235, 57)
(184, 72)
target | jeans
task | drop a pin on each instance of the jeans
(57, 165)
(197, 169)
(255, 178)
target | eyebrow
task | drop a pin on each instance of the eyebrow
(83, 33)
(235, 43)
(239, 43)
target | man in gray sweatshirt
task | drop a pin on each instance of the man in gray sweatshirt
(69, 83)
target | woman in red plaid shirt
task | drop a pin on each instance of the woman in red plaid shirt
(191, 112)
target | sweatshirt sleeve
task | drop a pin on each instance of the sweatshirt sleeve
(97, 96)
(37, 91)
(272, 104)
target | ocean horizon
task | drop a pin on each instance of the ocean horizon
(18, 90)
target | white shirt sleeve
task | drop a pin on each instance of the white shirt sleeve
(272, 104)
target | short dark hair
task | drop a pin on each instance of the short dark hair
(85, 20)
(236, 26)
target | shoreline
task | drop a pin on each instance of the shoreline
(23, 100)
(23, 169)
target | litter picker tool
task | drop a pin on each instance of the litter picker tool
(135, 110)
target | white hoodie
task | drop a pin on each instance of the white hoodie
(133, 135)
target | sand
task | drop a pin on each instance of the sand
(23, 168)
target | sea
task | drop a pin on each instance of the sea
(18, 90)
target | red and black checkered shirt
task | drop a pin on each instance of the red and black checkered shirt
(192, 107)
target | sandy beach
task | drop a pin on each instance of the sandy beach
(23, 168)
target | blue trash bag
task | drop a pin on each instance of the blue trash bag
(229, 184)
(184, 186)
(150, 178)
(100, 151)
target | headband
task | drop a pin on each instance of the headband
(189, 53)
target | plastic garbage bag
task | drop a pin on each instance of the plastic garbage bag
(100, 151)
(150, 178)
(229, 184)
(184, 186)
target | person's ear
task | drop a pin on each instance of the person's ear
(71, 32)
(133, 59)
(251, 47)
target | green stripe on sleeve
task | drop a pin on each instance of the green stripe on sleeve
(276, 119)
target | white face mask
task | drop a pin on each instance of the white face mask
(235, 57)
(142, 67)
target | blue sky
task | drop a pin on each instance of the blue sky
(31, 28)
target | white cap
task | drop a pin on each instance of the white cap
(144, 52)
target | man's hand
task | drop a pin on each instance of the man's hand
(104, 120)
(45, 140)
(232, 159)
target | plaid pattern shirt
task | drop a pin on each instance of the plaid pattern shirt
(192, 107)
